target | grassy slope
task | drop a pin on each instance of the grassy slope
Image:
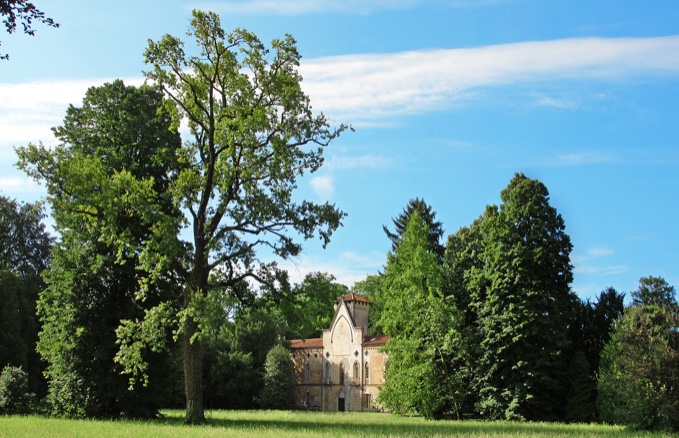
(262, 424)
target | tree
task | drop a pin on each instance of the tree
(428, 215)
(639, 375)
(24, 243)
(25, 12)
(312, 305)
(108, 184)
(655, 291)
(24, 253)
(419, 378)
(371, 289)
(279, 380)
(524, 299)
(253, 135)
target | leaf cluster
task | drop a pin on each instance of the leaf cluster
(24, 12)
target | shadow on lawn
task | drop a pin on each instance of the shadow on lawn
(332, 424)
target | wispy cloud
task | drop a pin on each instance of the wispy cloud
(590, 263)
(378, 88)
(357, 162)
(15, 185)
(323, 186)
(360, 88)
(347, 267)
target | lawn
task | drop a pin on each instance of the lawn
(281, 424)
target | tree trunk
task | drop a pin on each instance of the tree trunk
(193, 375)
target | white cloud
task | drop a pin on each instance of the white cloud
(357, 162)
(374, 89)
(589, 263)
(324, 186)
(14, 184)
(347, 267)
(369, 87)
(584, 158)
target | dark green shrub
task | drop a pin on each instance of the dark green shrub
(14, 395)
(279, 380)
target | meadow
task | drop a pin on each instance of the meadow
(281, 424)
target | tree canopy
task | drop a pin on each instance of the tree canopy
(253, 135)
(107, 183)
(428, 215)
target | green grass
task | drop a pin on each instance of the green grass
(281, 424)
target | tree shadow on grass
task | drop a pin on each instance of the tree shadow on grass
(339, 424)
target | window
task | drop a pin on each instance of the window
(327, 372)
(307, 374)
(341, 374)
(367, 373)
(356, 379)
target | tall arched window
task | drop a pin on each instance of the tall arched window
(341, 372)
(307, 374)
(327, 372)
(356, 379)
(367, 373)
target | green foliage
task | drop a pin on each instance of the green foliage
(24, 254)
(24, 12)
(107, 182)
(235, 354)
(311, 307)
(655, 291)
(581, 399)
(523, 300)
(253, 134)
(15, 397)
(428, 215)
(279, 380)
(419, 378)
(639, 375)
(371, 289)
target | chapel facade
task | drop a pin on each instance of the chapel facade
(343, 370)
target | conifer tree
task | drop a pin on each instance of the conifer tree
(420, 375)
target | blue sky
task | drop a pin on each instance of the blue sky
(448, 99)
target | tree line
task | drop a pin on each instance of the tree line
(488, 326)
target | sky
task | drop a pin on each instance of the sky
(448, 100)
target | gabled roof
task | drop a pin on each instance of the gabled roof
(353, 297)
(375, 340)
(306, 343)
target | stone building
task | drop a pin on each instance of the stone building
(343, 370)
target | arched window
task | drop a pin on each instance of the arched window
(367, 373)
(307, 374)
(356, 379)
(341, 374)
(327, 372)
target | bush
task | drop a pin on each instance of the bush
(14, 395)
(279, 380)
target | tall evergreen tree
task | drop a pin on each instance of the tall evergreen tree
(523, 295)
(428, 216)
(420, 376)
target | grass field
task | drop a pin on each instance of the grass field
(281, 424)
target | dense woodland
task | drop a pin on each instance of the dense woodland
(152, 293)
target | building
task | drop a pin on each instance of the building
(343, 370)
